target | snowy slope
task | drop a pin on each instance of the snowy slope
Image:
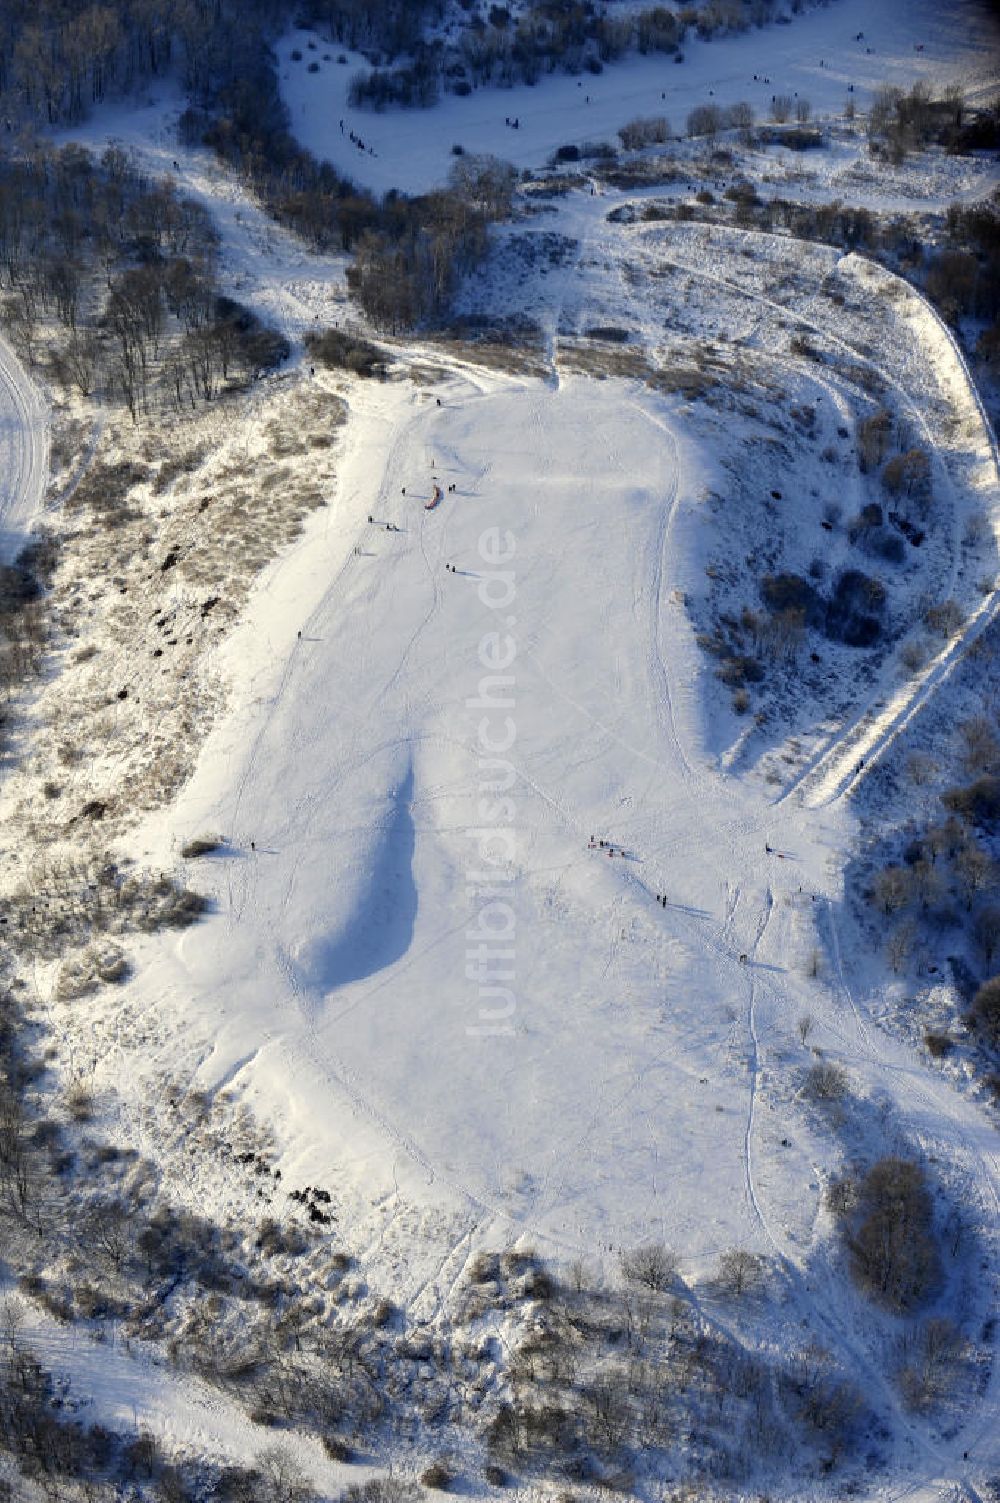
(643, 1080)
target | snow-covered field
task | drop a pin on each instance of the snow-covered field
(468, 750)
(816, 58)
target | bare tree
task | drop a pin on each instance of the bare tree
(986, 929)
(704, 120)
(981, 751)
(986, 1009)
(920, 768)
(109, 1231)
(781, 108)
(653, 1266)
(928, 884)
(975, 870)
(874, 436)
(18, 1174)
(609, 1408)
(892, 888)
(909, 474)
(899, 945)
(740, 1271)
(935, 1352)
(283, 1477)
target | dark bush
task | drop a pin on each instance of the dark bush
(986, 1011)
(782, 592)
(739, 669)
(438, 1475)
(885, 544)
(202, 845)
(339, 350)
(852, 615)
(979, 803)
(18, 588)
(912, 534)
(608, 332)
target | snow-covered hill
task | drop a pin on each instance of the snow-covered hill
(511, 937)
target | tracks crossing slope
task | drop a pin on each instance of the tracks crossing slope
(23, 452)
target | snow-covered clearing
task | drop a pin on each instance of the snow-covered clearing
(816, 57)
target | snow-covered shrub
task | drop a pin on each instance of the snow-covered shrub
(704, 120)
(740, 1271)
(644, 131)
(825, 1081)
(652, 1266)
(913, 655)
(383, 1490)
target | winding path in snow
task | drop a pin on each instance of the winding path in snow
(23, 452)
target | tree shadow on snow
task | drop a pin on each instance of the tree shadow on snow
(380, 930)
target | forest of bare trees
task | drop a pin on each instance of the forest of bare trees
(124, 269)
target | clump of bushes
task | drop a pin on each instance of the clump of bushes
(978, 803)
(985, 1014)
(650, 130)
(704, 120)
(825, 1081)
(851, 614)
(339, 350)
(201, 845)
(890, 1238)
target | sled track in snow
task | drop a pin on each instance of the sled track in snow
(23, 452)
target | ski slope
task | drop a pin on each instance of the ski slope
(639, 1085)
(23, 452)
